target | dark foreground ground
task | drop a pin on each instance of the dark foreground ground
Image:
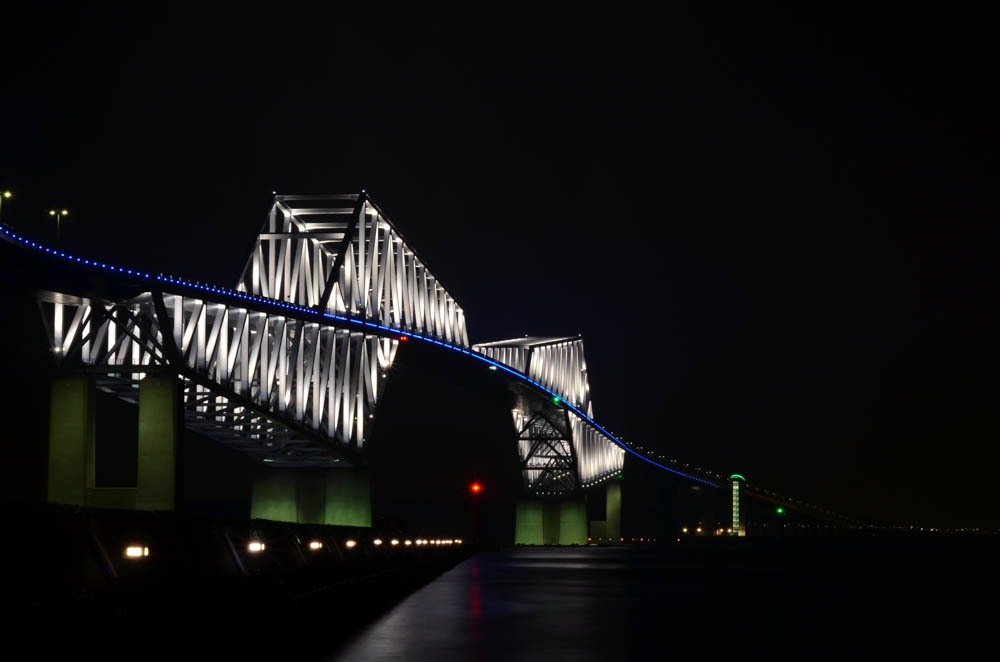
(69, 590)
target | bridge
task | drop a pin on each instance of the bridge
(288, 364)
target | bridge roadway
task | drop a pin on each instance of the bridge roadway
(65, 280)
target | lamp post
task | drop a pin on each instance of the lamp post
(59, 214)
(6, 195)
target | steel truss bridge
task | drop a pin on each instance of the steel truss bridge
(287, 365)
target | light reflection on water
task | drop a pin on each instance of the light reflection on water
(753, 599)
(555, 604)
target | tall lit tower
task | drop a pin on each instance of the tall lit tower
(737, 527)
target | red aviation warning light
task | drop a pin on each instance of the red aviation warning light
(475, 488)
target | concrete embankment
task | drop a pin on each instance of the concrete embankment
(177, 575)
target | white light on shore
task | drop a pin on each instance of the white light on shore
(136, 551)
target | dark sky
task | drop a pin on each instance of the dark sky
(776, 230)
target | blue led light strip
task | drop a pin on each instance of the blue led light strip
(12, 236)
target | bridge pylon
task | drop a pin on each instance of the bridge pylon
(72, 462)
(551, 522)
(609, 529)
(72, 432)
(339, 497)
(613, 510)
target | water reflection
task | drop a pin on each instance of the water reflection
(612, 604)
(564, 604)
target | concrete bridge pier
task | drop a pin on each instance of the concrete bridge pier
(340, 497)
(552, 522)
(72, 432)
(610, 528)
(73, 440)
(613, 509)
(160, 424)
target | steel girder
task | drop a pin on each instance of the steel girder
(276, 387)
(555, 363)
(581, 455)
(548, 461)
(340, 254)
(300, 389)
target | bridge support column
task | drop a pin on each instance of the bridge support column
(348, 499)
(610, 528)
(528, 524)
(339, 497)
(573, 522)
(160, 423)
(72, 426)
(274, 497)
(310, 498)
(551, 511)
(551, 523)
(613, 510)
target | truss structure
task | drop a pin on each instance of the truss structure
(555, 363)
(280, 387)
(273, 386)
(565, 445)
(548, 460)
(288, 367)
(340, 254)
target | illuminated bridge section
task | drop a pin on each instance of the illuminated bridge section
(555, 363)
(340, 254)
(559, 452)
(287, 379)
(289, 366)
(283, 389)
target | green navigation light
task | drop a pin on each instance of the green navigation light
(780, 510)
(556, 399)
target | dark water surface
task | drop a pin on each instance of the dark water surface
(791, 599)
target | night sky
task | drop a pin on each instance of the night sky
(775, 230)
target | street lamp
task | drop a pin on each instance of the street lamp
(59, 214)
(6, 195)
